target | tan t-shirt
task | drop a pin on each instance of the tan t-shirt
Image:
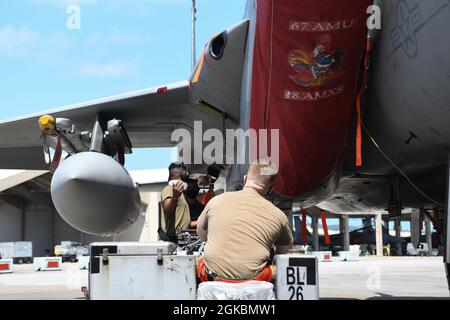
(181, 220)
(242, 228)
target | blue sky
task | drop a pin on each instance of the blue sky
(122, 45)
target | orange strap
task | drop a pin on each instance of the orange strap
(358, 147)
(358, 142)
(325, 228)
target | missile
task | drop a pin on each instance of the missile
(93, 193)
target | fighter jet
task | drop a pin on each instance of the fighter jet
(362, 114)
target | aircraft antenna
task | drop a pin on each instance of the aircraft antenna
(194, 19)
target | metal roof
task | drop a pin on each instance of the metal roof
(12, 178)
(152, 176)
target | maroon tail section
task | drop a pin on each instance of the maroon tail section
(306, 64)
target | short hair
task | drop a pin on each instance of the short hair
(174, 165)
(263, 172)
(178, 166)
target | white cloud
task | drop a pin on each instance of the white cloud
(110, 3)
(16, 40)
(65, 3)
(132, 7)
(20, 40)
(118, 38)
(56, 48)
(109, 69)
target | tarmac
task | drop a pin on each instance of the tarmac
(26, 284)
(385, 278)
(388, 278)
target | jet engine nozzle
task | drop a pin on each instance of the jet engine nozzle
(95, 194)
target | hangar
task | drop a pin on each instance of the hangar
(27, 212)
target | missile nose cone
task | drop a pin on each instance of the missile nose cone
(95, 194)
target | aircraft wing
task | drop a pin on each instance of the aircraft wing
(149, 116)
